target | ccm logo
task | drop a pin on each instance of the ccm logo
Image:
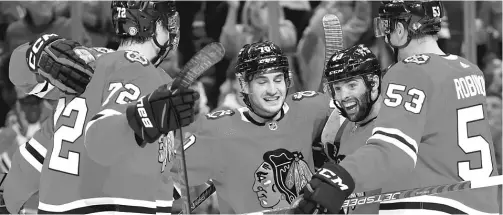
(32, 60)
(143, 114)
(333, 178)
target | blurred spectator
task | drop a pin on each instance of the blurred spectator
(254, 27)
(493, 75)
(95, 19)
(39, 19)
(491, 23)
(230, 90)
(494, 117)
(355, 18)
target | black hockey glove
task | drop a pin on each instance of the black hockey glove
(160, 112)
(326, 191)
(53, 58)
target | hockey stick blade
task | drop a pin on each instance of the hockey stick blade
(198, 64)
(384, 197)
(333, 35)
(333, 40)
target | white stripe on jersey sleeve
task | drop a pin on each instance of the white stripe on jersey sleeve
(29, 157)
(101, 115)
(432, 199)
(397, 138)
(163, 203)
(96, 201)
(6, 163)
(37, 90)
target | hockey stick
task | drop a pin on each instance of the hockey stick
(197, 65)
(333, 35)
(403, 194)
(203, 196)
(333, 40)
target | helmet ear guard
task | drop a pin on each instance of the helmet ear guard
(420, 17)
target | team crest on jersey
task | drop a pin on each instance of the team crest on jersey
(219, 114)
(166, 149)
(303, 94)
(134, 56)
(280, 178)
(417, 59)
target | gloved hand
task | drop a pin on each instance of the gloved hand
(326, 191)
(52, 58)
(161, 111)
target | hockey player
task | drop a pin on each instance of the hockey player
(72, 181)
(353, 80)
(431, 128)
(259, 156)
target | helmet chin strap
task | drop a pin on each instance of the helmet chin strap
(396, 48)
(163, 52)
(246, 100)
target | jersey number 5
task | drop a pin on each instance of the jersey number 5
(70, 163)
(471, 144)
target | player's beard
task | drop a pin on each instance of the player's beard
(363, 104)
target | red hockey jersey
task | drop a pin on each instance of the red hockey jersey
(431, 130)
(256, 166)
(23, 179)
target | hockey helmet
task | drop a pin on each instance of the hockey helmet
(139, 18)
(419, 17)
(357, 60)
(261, 57)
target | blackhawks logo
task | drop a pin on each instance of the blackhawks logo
(280, 178)
(166, 149)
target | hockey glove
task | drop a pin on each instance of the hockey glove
(52, 58)
(160, 112)
(326, 191)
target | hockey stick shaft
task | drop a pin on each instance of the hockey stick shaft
(195, 67)
(384, 197)
(203, 196)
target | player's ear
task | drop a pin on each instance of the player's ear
(401, 31)
(375, 86)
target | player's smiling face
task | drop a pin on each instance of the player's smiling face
(267, 93)
(352, 96)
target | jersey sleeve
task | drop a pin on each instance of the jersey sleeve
(200, 155)
(107, 134)
(393, 146)
(24, 176)
(23, 78)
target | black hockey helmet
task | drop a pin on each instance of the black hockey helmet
(352, 62)
(139, 18)
(261, 57)
(419, 17)
(357, 60)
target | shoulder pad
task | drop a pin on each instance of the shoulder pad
(304, 94)
(103, 50)
(417, 59)
(219, 114)
(135, 57)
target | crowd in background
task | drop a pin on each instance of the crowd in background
(235, 23)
